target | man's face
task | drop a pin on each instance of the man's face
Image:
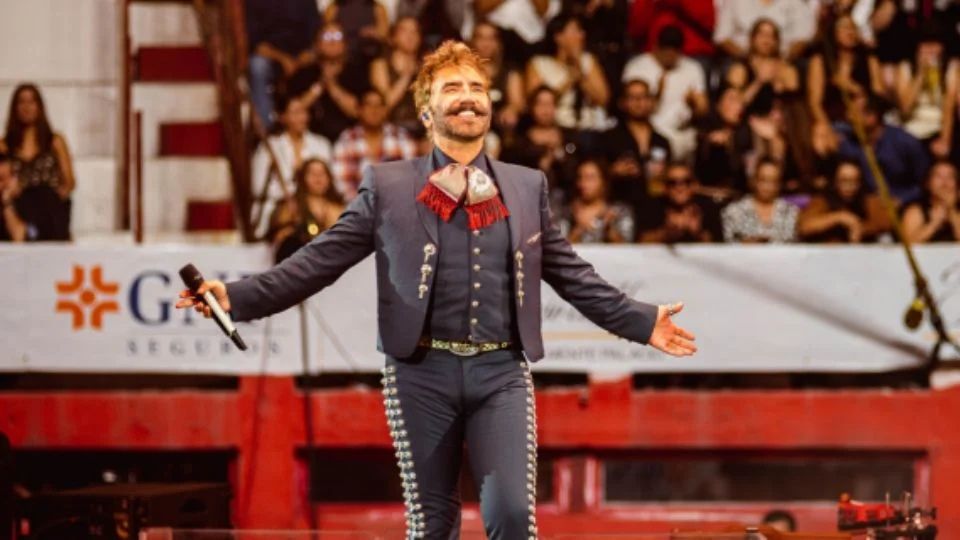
(767, 183)
(330, 42)
(679, 184)
(296, 117)
(459, 104)
(667, 58)
(373, 111)
(637, 102)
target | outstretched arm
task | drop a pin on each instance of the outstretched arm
(577, 282)
(306, 272)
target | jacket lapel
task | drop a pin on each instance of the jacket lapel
(512, 199)
(422, 168)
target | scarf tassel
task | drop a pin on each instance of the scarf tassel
(486, 213)
(438, 201)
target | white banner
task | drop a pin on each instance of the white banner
(754, 309)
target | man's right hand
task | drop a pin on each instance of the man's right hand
(219, 290)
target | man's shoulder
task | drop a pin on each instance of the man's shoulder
(517, 172)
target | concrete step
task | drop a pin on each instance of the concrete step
(172, 103)
(163, 23)
(170, 183)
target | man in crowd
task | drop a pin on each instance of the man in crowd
(680, 215)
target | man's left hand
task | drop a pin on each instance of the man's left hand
(669, 337)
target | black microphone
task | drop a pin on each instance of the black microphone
(914, 314)
(192, 279)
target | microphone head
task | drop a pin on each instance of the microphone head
(191, 277)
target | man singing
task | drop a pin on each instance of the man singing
(461, 243)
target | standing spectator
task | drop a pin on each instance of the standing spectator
(291, 147)
(372, 140)
(279, 33)
(523, 23)
(590, 218)
(927, 93)
(763, 74)
(506, 82)
(844, 67)
(365, 27)
(796, 20)
(12, 227)
(761, 216)
(845, 212)
(637, 152)
(936, 217)
(574, 74)
(392, 74)
(605, 22)
(680, 216)
(330, 85)
(679, 86)
(901, 157)
(725, 142)
(41, 162)
(314, 207)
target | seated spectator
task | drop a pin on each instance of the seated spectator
(12, 226)
(330, 86)
(762, 216)
(725, 143)
(41, 162)
(637, 153)
(392, 74)
(694, 18)
(927, 93)
(312, 209)
(365, 27)
(680, 216)
(372, 140)
(279, 34)
(845, 212)
(290, 148)
(936, 217)
(679, 85)
(506, 82)
(523, 23)
(574, 74)
(590, 218)
(901, 157)
(796, 20)
(844, 67)
(763, 74)
(542, 144)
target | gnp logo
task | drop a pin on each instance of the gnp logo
(85, 302)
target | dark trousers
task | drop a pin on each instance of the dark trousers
(437, 402)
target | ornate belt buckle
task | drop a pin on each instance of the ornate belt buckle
(464, 349)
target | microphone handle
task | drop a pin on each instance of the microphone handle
(223, 320)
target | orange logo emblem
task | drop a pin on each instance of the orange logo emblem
(87, 297)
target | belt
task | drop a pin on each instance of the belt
(463, 348)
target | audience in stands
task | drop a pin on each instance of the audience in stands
(42, 164)
(313, 208)
(331, 85)
(638, 154)
(574, 74)
(936, 217)
(680, 215)
(590, 217)
(372, 140)
(761, 216)
(277, 158)
(763, 75)
(926, 93)
(796, 20)
(279, 34)
(506, 82)
(12, 226)
(679, 85)
(393, 73)
(902, 158)
(846, 212)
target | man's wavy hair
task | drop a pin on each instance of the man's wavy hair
(449, 53)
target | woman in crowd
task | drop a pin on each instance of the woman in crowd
(725, 141)
(291, 147)
(506, 83)
(574, 74)
(393, 73)
(763, 74)
(936, 218)
(845, 212)
(314, 208)
(41, 162)
(761, 216)
(590, 218)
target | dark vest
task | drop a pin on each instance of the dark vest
(472, 298)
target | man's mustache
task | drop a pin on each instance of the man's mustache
(477, 109)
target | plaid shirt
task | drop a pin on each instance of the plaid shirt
(351, 156)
